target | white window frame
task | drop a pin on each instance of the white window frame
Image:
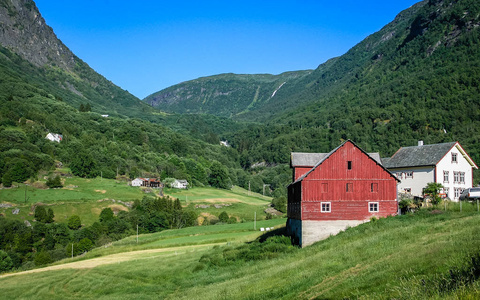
(458, 192)
(446, 175)
(407, 190)
(408, 174)
(462, 177)
(456, 177)
(375, 206)
(329, 206)
(454, 158)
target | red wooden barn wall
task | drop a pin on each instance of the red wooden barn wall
(327, 183)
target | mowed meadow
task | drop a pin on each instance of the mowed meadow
(403, 257)
(87, 197)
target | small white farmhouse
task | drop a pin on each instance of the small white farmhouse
(446, 163)
(137, 182)
(54, 137)
(179, 184)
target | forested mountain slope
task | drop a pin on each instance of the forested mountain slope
(53, 66)
(227, 95)
(416, 79)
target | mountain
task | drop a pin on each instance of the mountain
(54, 67)
(415, 79)
(227, 95)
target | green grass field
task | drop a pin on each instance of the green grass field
(87, 197)
(385, 259)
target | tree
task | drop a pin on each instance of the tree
(74, 222)
(433, 189)
(280, 203)
(6, 262)
(223, 217)
(40, 214)
(218, 176)
(83, 165)
(50, 216)
(106, 215)
(55, 182)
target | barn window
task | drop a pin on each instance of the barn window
(324, 187)
(349, 187)
(326, 206)
(349, 164)
(372, 206)
(374, 187)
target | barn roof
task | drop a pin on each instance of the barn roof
(375, 158)
(416, 156)
(302, 159)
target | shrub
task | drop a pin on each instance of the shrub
(54, 182)
(6, 262)
(74, 222)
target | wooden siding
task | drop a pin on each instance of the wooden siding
(299, 171)
(347, 166)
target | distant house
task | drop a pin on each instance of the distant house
(137, 182)
(343, 188)
(224, 143)
(54, 137)
(146, 182)
(179, 184)
(105, 116)
(445, 163)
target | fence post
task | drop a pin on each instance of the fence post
(445, 202)
(477, 206)
(460, 205)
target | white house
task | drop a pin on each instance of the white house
(446, 163)
(137, 182)
(54, 137)
(179, 184)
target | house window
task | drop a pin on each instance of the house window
(349, 164)
(454, 158)
(399, 175)
(462, 177)
(407, 190)
(445, 176)
(458, 192)
(324, 187)
(349, 187)
(372, 206)
(456, 177)
(445, 191)
(374, 187)
(409, 174)
(326, 206)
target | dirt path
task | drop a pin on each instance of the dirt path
(111, 259)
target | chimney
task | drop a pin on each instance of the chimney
(420, 143)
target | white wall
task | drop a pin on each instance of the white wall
(462, 165)
(421, 176)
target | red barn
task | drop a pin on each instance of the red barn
(343, 188)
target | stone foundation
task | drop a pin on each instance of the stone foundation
(305, 233)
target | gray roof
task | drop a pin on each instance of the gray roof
(302, 159)
(416, 156)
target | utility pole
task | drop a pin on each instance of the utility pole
(255, 222)
(72, 249)
(137, 233)
(249, 188)
(264, 185)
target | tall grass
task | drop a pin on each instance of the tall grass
(376, 260)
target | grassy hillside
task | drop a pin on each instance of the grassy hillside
(398, 257)
(227, 95)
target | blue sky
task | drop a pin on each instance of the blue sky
(144, 46)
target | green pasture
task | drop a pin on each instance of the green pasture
(74, 190)
(392, 258)
(189, 236)
(236, 202)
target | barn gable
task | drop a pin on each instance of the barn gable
(345, 188)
